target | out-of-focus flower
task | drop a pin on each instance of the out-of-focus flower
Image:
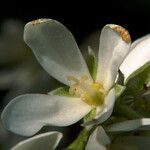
(56, 50)
(3, 133)
(19, 73)
(28, 77)
(45, 141)
(22, 72)
(12, 47)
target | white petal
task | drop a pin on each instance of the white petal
(134, 44)
(139, 55)
(113, 48)
(98, 140)
(104, 113)
(140, 124)
(56, 49)
(45, 141)
(109, 105)
(27, 114)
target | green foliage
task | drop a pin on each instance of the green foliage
(133, 98)
(90, 115)
(119, 89)
(92, 63)
(137, 79)
(81, 140)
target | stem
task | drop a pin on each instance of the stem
(80, 142)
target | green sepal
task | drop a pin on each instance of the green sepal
(90, 115)
(137, 79)
(62, 91)
(92, 62)
(126, 111)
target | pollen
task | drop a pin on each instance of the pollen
(91, 93)
(123, 33)
(38, 21)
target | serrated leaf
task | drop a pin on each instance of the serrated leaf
(62, 91)
(92, 62)
(138, 78)
(133, 103)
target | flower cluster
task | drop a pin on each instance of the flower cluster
(90, 92)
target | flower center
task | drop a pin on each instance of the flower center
(91, 93)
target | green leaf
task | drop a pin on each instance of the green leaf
(92, 62)
(134, 101)
(146, 95)
(81, 140)
(142, 106)
(125, 111)
(137, 79)
(62, 91)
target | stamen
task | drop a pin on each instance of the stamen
(91, 93)
(83, 78)
(72, 78)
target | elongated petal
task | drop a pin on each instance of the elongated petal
(140, 124)
(114, 46)
(45, 141)
(98, 140)
(104, 114)
(56, 49)
(139, 55)
(26, 114)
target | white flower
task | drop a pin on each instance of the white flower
(44, 141)
(138, 56)
(56, 50)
